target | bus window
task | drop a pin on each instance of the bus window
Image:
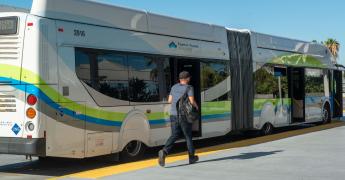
(104, 74)
(149, 78)
(314, 82)
(266, 80)
(215, 81)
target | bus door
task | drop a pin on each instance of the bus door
(193, 67)
(297, 94)
(337, 94)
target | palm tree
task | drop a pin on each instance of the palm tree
(333, 45)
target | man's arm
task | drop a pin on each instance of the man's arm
(193, 102)
(170, 99)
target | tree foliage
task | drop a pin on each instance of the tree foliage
(333, 45)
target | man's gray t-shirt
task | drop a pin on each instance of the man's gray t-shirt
(177, 92)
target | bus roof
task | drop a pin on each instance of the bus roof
(124, 18)
(96, 13)
(278, 43)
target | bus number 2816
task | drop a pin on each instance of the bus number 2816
(79, 33)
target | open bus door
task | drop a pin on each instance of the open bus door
(297, 94)
(337, 92)
(193, 67)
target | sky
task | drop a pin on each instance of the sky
(298, 19)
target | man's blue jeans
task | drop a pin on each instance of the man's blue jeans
(179, 127)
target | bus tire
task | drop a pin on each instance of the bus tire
(326, 114)
(133, 151)
(267, 129)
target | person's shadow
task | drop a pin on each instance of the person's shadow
(243, 156)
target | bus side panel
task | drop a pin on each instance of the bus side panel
(216, 117)
(66, 131)
(99, 136)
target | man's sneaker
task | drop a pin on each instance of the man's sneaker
(194, 159)
(161, 156)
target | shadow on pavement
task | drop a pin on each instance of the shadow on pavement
(55, 167)
(243, 156)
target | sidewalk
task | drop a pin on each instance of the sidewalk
(315, 156)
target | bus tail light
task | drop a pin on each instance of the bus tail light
(31, 99)
(31, 113)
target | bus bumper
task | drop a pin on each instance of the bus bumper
(21, 146)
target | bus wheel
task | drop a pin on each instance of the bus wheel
(326, 115)
(133, 151)
(267, 129)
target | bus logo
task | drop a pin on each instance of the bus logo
(172, 45)
(16, 129)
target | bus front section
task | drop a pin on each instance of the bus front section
(18, 103)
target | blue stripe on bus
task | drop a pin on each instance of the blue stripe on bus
(215, 116)
(31, 89)
(204, 118)
(42, 96)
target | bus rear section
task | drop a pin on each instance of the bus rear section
(18, 109)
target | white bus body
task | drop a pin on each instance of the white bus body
(95, 69)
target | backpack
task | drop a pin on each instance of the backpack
(185, 107)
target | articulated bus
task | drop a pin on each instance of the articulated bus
(82, 79)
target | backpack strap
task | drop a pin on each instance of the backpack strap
(187, 89)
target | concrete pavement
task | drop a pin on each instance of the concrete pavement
(304, 152)
(314, 156)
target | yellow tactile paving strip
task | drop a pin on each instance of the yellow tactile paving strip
(128, 167)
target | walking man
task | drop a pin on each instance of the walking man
(179, 123)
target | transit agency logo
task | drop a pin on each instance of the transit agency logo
(16, 129)
(172, 45)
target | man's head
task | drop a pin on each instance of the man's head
(184, 77)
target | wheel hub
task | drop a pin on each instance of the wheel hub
(325, 115)
(133, 148)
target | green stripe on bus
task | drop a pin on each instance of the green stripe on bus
(213, 108)
(8, 71)
(157, 116)
(31, 78)
(298, 60)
